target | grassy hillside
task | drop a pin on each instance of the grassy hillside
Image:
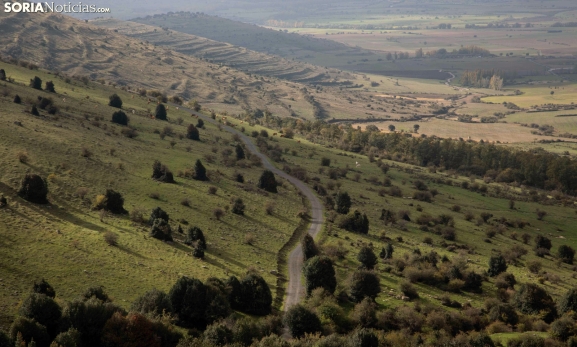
(63, 241)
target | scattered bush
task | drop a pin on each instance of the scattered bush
(301, 321)
(111, 238)
(566, 254)
(112, 201)
(161, 230)
(238, 206)
(497, 264)
(355, 222)
(120, 117)
(408, 290)
(267, 182)
(115, 101)
(192, 133)
(161, 173)
(34, 189)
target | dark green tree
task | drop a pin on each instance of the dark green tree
(34, 111)
(160, 112)
(200, 171)
(532, 299)
(362, 284)
(200, 124)
(30, 330)
(355, 222)
(267, 181)
(387, 252)
(542, 242)
(192, 133)
(309, 247)
(497, 264)
(363, 338)
(239, 152)
(36, 83)
(43, 287)
(96, 292)
(568, 302)
(563, 328)
(115, 101)
(161, 173)
(343, 203)
(198, 252)
(120, 117)
(154, 302)
(566, 254)
(2, 75)
(44, 310)
(49, 87)
(188, 299)
(234, 291)
(161, 230)
(319, 272)
(367, 258)
(238, 206)
(113, 202)
(301, 321)
(34, 189)
(195, 235)
(17, 99)
(158, 213)
(256, 295)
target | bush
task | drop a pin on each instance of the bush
(96, 292)
(120, 117)
(542, 242)
(30, 330)
(188, 300)
(566, 254)
(267, 182)
(363, 338)
(505, 313)
(192, 133)
(534, 266)
(325, 162)
(161, 230)
(161, 173)
(408, 290)
(158, 213)
(49, 87)
(355, 222)
(33, 189)
(112, 202)
(309, 247)
(423, 196)
(563, 328)
(17, 99)
(199, 171)
(111, 238)
(154, 302)
(269, 207)
(42, 309)
(238, 206)
(160, 112)
(362, 284)
(34, 111)
(218, 213)
(115, 101)
(218, 334)
(532, 299)
(69, 338)
(36, 83)
(239, 152)
(497, 264)
(43, 287)
(301, 321)
(367, 258)
(2, 75)
(568, 302)
(343, 203)
(195, 235)
(319, 272)
(255, 295)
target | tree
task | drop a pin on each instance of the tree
(407, 289)
(301, 321)
(43, 287)
(363, 338)
(34, 111)
(532, 299)
(195, 105)
(200, 124)
(563, 328)
(2, 75)
(391, 128)
(192, 133)
(416, 128)
(234, 290)
(154, 302)
(33, 189)
(29, 330)
(355, 222)
(112, 201)
(17, 99)
(36, 83)
(218, 334)
(161, 173)
(195, 235)
(343, 202)
(568, 302)
(497, 264)
(267, 182)
(367, 258)
(496, 82)
(161, 230)
(238, 206)
(188, 299)
(199, 171)
(49, 87)
(160, 112)
(158, 213)
(387, 252)
(566, 254)
(239, 152)
(542, 245)
(115, 101)
(120, 117)
(362, 284)
(42, 309)
(319, 272)
(309, 247)
(256, 295)
(198, 252)
(505, 313)
(69, 338)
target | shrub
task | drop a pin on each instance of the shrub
(198, 252)
(497, 264)
(238, 206)
(120, 117)
(153, 302)
(362, 284)
(29, 330)
(111, 238)
(96, 292)
(563, 328)
(267, 182)
(160, 112)
(69, 338)
(408, 290)
(199, 171)
(212, 190)
(218, 213)
(343, 203)
(111, 201)
(115, 101)
(34, 189)
(17, 99)
(2, 75)
(239, 152)
(566, 254)
(22, 157)
(423, 196)
(161, 173)
(255, 295)
(364, 313)
(325, 162)
(239, 178)
(568, 302)
(270, 207)
(319, 272)
(195, 235)
(49, 87)
(192, 133)
(34, 111)
(188, 300)
(505, 281)
(36, 83)
(367, 258)
(218, 334)
(505, 313)
(355, 222)
(309, 247)
(161, 230)
(363, 338)
(43, 287)
(534, 266)
(420, 185)
(449, 233)
(532, 299)
(301, 321)
(42, 309)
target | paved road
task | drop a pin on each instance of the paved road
(295, 290)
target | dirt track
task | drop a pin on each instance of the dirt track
(295, 289)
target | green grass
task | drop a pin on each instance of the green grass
(505, 337)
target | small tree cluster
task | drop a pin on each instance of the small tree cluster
(309, 247)
(268, 182)
(355, 222)
(251, 294)
(120, 117)
(112, 201)
(161, 173)
(115, 101)
(319, 272)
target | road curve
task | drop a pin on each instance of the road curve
(295, 289)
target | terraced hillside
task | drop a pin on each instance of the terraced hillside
(227, 54)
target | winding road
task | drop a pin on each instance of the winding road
(295, 289)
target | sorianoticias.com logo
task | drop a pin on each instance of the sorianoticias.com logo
(42, 7)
